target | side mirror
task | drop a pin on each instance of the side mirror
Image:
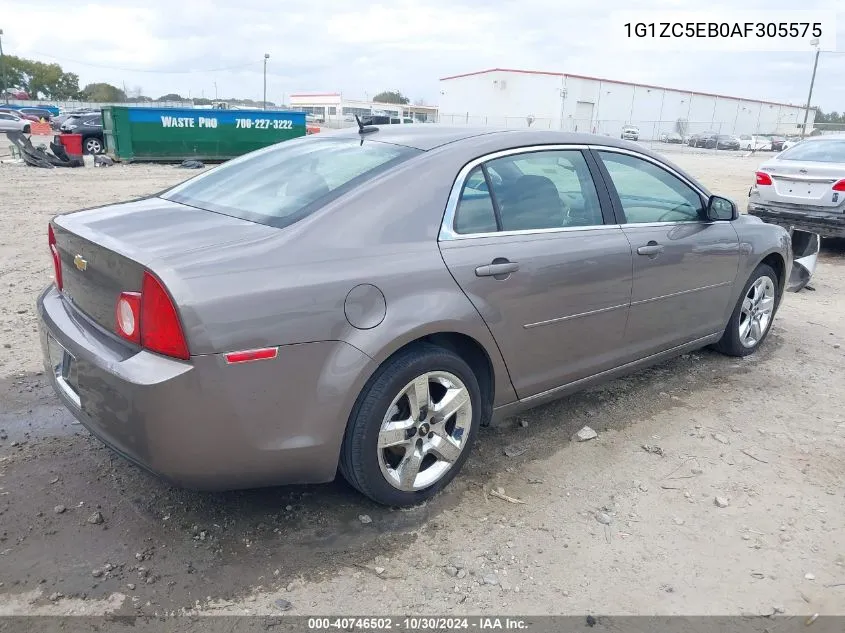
(719, 208)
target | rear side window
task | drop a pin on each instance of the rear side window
(284, 183)
(475, 213)
(533, 191)
(817, 151)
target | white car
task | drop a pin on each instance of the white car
(750, 142)
(792, 142)
(631, 133)
(11, 123)
(803, 187)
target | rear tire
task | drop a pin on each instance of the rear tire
(755, 308)
(27, 129)
(399, 450)
(92, 145)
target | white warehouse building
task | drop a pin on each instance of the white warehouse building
(521, 98)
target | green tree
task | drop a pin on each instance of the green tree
(171, 96)
(391, 96)
(39, 80)
(202, 101)
(103, 93)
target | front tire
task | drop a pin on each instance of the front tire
(753, 315)
(27, 129)
(412, 427)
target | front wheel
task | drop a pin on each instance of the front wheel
(752, 317)
(412, 426)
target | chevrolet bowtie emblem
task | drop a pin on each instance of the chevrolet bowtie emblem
(80, 263)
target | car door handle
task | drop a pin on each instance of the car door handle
(496, 269)
(651, 249)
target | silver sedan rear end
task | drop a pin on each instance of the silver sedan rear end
(803, 187)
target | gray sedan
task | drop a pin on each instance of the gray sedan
(366, 300)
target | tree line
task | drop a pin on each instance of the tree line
(45, 81)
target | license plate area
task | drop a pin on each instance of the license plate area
(801, 189)
(63, 365)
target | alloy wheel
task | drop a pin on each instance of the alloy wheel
(424, 431)
(757, 310)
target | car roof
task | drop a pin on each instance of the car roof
(428, 137)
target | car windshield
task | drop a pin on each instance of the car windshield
(284, 183)
(817, 151)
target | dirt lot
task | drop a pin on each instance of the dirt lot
(767, 433)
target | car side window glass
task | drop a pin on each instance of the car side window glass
(649, 193)
(475, 213)
(545, 190)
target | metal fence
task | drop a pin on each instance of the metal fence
(648, 130)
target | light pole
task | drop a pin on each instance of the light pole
(266, 57)
(813, 42)
(215, 91)
(3, 66)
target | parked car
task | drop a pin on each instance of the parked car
(383, 119)
(631, 133)
(726, 141)
(12, 123)
(59, 120)
(90, 126)
(791, 141)
(803, 187)
(674, 137)
(242, 329)
(777, 143)
(750, 142)
(708, 140)
(39, 113)
(20, 115)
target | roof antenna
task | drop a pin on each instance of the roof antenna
(364, 129)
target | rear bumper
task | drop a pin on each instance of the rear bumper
(203, 423)
(810, 220)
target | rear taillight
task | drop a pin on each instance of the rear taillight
(54, 252)
(161, 330)
(839, 186)
(763, 178)
(149, 319)
(127, 316)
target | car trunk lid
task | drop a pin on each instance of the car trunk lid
(806, 183)
(105, 251)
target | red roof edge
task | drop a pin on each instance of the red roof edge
(624, 83)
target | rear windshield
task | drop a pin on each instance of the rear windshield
(282, 184)
(817, 151)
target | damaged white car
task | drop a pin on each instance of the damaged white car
(803, 190)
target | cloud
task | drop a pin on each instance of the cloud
(360, 48)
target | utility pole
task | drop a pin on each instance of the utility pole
(215, 91)
(813, 42)
(266, 57)
(3, 66)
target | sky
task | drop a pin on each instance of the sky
(216, 47)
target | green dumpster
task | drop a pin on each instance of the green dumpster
(177, 134)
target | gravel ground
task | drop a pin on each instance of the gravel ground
(606, 526)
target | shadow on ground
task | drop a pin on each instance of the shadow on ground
(176, 546)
